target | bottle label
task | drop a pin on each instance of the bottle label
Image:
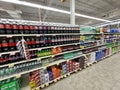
(4, 44)
(20, 27)
(15, 27)
(8, 26)
(2, 26)
(26, 27)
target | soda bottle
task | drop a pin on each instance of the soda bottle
(11, 44)
(33, 42)
(48, 29)
(17, 39)
(40, 29)
(37, 42)
(2, 28)
(31, 30)
(21, 29)
(36, 30)
(28, 42)
(8, 28)
(15, 29)
(4, 44)
(26, 29)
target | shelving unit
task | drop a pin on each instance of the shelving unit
(55, 53)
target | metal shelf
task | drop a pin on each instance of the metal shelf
(37, 59)
(97, 33)
(69, 73)
(19, 35)
(13, 52)
(25, 72)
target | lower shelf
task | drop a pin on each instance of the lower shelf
(68, 74)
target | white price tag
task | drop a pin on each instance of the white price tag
(42, 86)
(53, 56)
(18, 76)
(55, 80)
(39, 49)
(11, 65)
(38, 35)
(9, 36)
(37, 88)
(38, 59)
(47, 84)
(12, 53)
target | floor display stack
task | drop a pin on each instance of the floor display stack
(50, 52)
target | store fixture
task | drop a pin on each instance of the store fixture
(55, 50)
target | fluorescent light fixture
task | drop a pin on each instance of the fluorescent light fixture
(51, 9)
(90, 17)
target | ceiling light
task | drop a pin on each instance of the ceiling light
(90, 17)
(51, 9)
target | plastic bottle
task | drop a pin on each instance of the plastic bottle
(2, 28)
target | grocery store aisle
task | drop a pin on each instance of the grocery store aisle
(104, 75)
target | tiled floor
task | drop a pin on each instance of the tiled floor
(104, 75)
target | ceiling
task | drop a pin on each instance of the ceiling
(105, 9)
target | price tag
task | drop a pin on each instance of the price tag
(9, 36)
(42, 86)
(44, 67)
(53, 56)
(75, 70)
(59, 78)
(55, 80)
(38, 35)
(65, 76)
(39, 49)
(68, 74)
(85, 56)
(58, 63)
(54, 47)
(18, 76)
(47, 84)
(38, 59)
(37, 88)
(12, 53)
(54, 34)
(11, 65)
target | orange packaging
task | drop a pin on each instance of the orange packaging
(59, 50)
(53, 51)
